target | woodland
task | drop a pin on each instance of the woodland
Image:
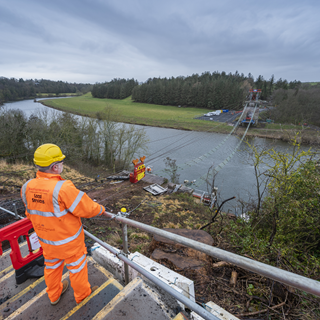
(18, 89)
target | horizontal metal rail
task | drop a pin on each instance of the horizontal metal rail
(286, 277)
(179, 296)
(12, 213)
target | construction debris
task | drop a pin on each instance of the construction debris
(123, 175)
(155, 189)
(179, 188)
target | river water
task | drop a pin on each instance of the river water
(236, 178)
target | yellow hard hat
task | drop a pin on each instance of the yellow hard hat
(46, 154)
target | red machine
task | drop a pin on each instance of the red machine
(254, 94)
(30, 266)
(139, 170)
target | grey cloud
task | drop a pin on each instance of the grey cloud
(100, 40)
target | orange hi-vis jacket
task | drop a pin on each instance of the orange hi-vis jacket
(55, 207)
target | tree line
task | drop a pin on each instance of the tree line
(81, 139)
(295, 102)
(208, 90)
(115, 89)
(13, 89)
(297, 106)
(213, 91)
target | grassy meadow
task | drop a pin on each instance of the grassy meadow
(128, 111)
(44, 95)
(139, 113)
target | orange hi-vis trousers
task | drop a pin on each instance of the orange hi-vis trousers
(78, 274)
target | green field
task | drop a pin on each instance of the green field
(170, 117)
(43, 95)
(139, 113)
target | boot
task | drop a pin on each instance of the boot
(92, 290)
(64, 289)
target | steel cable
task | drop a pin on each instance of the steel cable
(206, 155)
(223, 163)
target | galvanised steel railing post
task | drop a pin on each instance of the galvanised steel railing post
(15, 210)
(125, 250)
(10, 212)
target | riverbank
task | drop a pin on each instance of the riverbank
(307, 136)
(173, 117)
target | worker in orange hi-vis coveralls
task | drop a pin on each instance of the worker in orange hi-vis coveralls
(55, 207)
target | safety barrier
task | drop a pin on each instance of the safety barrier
(30, 266)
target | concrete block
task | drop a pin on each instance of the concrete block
(108, 260)
(173, 279)
(114, 265)
(217, 311)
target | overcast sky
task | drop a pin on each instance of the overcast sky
(98, 40)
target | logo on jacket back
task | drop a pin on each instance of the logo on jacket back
(37, 198)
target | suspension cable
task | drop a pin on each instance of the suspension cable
(207, 154)
(223, 163)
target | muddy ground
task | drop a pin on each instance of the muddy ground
(251, 297)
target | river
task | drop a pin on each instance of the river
(236, 178)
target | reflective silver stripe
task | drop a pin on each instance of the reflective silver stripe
(24, 198)
(41, 213)
(61, 242)
(59, 214)
(100, 211)
(51, 261)
(55, 197)
(79, 269)
(73, 264)
(76, 201)
(48, 214)
(56, 265)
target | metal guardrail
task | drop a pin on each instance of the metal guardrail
(286, 277)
